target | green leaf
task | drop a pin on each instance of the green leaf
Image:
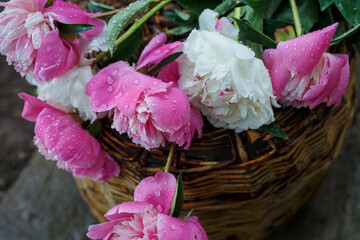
(199, 5)
(272, 7)
(188, 215)
(224, 7)
(345, 35)
(182, 15)
(350, 9)
(274, 130)
(178, 199)
(96, 7)
(180, 30)
(122, 19)
(284, 34)
(166, 61)
(126, 48)
(95, 129)
(259, 6)
(73, 29)
(249, 32)
(324, 4)
(270, 26)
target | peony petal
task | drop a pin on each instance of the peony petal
(196, 228)
(300, 55)
(161, 53)
(54, 57)
(342, 83)
(278, 73)
(67, 12)
(170, 110)
(158, 191)
(170, 74)
(101, 231)
(226, 28)
(131, 85)
(156, 42)
(170, 228)
(102, 87)
(207, 20)
(127, 209)
(32, 107)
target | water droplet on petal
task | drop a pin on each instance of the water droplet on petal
(136, 82)
(110, 89)
(109, 80)
(173, 227)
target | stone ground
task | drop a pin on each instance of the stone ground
(40, 202)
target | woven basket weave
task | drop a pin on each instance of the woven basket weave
(242, 186)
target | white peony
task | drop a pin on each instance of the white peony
(223, 78)
(68, 90)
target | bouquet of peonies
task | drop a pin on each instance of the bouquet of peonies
(224, 66)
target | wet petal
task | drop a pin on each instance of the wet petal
(158, 190)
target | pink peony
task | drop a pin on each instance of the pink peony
(28, 36)
(60, 138)
(147, 217)
(303, 74)
(147, 109)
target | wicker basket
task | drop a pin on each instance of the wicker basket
(242, 186)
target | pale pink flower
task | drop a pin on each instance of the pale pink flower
(303, 74)
(149, 110)
(60, 138)
(30, 40)
(147, 217)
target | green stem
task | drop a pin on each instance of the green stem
(237, 15)
(298, 27)
(134, 27)
(170, 157)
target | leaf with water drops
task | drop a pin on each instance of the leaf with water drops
(96, 7)
(274, 130)
(74, 29)
(178, 199)
(350, 9)
(122, 19)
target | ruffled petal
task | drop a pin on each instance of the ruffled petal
(170, 110)
(54, 57)
(207, 20)
(226, 28)
(127, 209)
(170, 228)
(67, 12)
(160, 53)
(158, 191)
(32, 107)
(300, 55)
(101, 231)
(156, 42)
(279, 74)
(170, 74)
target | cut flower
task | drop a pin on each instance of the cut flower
(31, 41)
(147, 216)
(147, 109)
(60, 138)
(303, 74)
(223, 78)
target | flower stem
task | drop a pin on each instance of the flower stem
(237, 14)
(106, 14)
(134, 27)
(170, 157)
(298, 27)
